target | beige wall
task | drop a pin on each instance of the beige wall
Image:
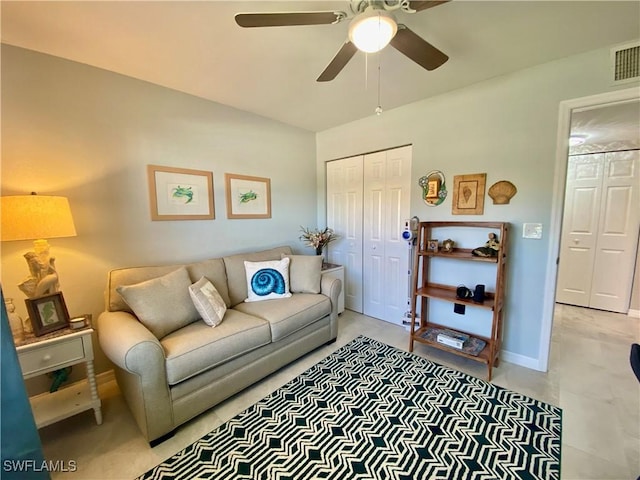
(88, 134)
(505, 127)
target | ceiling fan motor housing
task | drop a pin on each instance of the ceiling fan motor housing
(372, 30)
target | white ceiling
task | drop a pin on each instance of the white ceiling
(196, 47)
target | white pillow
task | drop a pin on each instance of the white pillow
(267, 280)
(208, 302)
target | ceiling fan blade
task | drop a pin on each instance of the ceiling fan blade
(419, 5)
(286, 19)
(336, 65)
(417, 49)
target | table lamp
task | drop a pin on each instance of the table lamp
(37, 217)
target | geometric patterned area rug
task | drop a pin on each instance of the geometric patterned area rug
(372, 411)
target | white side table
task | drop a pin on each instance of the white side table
(56, 350)
(335, 271)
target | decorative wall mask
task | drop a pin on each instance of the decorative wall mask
(502, 192)
(434, 189)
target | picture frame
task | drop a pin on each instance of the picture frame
(247, 197)
(47, 313)
(468, 194)
(432, 246)
(180, 193)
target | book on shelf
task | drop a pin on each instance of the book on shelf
(452, 338)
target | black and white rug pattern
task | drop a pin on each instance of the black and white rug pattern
(372, 411)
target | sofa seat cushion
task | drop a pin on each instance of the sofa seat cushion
(288, 315)
(198, 347)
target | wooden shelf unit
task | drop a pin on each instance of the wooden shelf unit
(424, 290)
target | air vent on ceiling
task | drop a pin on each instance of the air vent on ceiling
(625, 60)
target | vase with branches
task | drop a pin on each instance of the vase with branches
(318, 238)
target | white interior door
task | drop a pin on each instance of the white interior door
(374, 234)
(344, 215)
(600, 231)
(387, 179)
(579, 229)
(617, 232)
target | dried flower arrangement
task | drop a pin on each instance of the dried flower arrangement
(318, 238)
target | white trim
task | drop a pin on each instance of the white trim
(521, 360)
(562, 151)
(633, 313)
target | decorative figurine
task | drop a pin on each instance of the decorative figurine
(490, 249)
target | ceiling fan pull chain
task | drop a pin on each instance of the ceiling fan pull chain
(366, 71)
(379, 107)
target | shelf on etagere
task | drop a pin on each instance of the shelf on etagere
(483, 356)
(458, 253)
(448, 293)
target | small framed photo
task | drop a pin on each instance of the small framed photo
(47, 313)
(432, 245)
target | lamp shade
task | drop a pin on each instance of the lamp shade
(372, 30)
(32, 217)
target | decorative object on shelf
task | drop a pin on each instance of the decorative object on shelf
(463, 292)
(452, 338)
(434, 189)
(59, 377)
(248, 197)
(77, 323)
(468, 194)
(448, 245)
(318, 239)
(47, 313)
(473, 346)
(478, 294)
(15, 322)
(37, 217)
(490, 249)
(502, 192)
(180, 193)
(432, 245)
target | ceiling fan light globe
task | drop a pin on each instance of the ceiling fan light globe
(372, 30)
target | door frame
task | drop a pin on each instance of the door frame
(557, 204)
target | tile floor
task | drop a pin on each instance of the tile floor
(589, 378)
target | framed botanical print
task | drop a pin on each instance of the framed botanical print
(47, 313)
(248, 197)
(180, 193)
(468, 194)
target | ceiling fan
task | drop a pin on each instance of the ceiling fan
(372, 27)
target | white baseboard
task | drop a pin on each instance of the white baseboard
(521, 360)
(634, 313)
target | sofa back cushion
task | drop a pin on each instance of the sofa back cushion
(236, 276)
(213, 269)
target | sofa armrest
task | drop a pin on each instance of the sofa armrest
(331, 287)
(128, 343)
(140, 370)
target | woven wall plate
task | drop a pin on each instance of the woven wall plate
(502, 192)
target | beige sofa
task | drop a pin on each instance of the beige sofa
(168, 380)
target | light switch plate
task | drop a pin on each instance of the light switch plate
(532, 230)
